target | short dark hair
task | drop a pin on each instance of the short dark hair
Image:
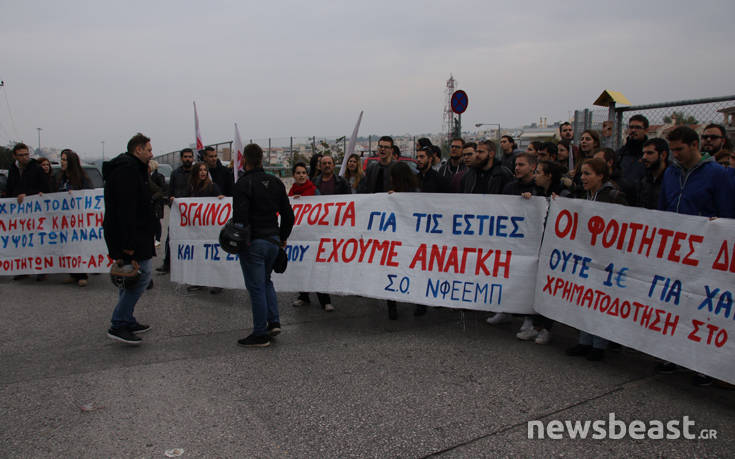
(723, 133)
(472, 145)
(253, 154)
(186, 150)
(489, 144)
(660, 145)
(530, 157)
(608, 153)
(386, 138)
(457, 138)
(20, 146)
(396, 151)
(554, 169)
(565, 123)
(550, 148)
(510, 139)
(299, 164)
(424, 142)
(138, 140)
(209, 148)
(683, 134)
(436, 151)
(640, 118)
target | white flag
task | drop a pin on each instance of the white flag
(238, 165)
(197, 134)
(350, 146)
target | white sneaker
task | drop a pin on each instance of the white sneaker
(527, 335)
(328, 307)
(298, 303)
(157, 244)
(498, 318)
(527, 324)
(544, 337)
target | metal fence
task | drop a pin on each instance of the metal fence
(282, 152)
(662, 117)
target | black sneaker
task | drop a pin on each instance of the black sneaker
(215, 290)
(139, 328)
(123, 335)
(255, 341)
(150, 285)
(666, 368)
(164, 269)
(274, 328)
(578, 350)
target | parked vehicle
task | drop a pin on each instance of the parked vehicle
(94, 174)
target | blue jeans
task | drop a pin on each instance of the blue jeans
(592, 340)
(257, 264)
(122, 316)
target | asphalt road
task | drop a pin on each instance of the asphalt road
(345, 384)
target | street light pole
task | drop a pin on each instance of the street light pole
(103, 151)
(498, 150)
(39, 139)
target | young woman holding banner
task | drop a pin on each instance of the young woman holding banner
(72, 177)
(353, 172)
(302, 186)
(595, 178)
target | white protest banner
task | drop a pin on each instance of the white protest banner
(658, 282)
(53, 233)
(461, 251)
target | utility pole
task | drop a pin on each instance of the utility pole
(103, 151)
(39, 139)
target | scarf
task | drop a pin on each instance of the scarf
(307, 189)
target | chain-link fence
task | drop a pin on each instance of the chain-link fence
(662, 117)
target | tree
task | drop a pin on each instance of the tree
(679, 118)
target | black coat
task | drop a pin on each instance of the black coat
(491, 181)
(432, 182)
(648, 191)
(178, 184)
(258, 198)
(33, 180)
(631, 169)
(223, 177)
(517, 188)
(129, 223)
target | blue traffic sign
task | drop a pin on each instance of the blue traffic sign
(459, 102)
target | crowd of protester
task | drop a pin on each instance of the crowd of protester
(684, 173)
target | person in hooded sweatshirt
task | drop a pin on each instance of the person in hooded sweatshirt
(628, 160)
(129, 225)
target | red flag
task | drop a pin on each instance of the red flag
(200, 144)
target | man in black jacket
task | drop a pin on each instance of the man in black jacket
(655, 159)
(629, 156)
(430, 181)
(524, 182)
(25, 176)
(258, 200)
(486, 176)
(329, 183)
(178, 187)
(129, 226)
(222, 176)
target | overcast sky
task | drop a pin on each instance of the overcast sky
(97, 70)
